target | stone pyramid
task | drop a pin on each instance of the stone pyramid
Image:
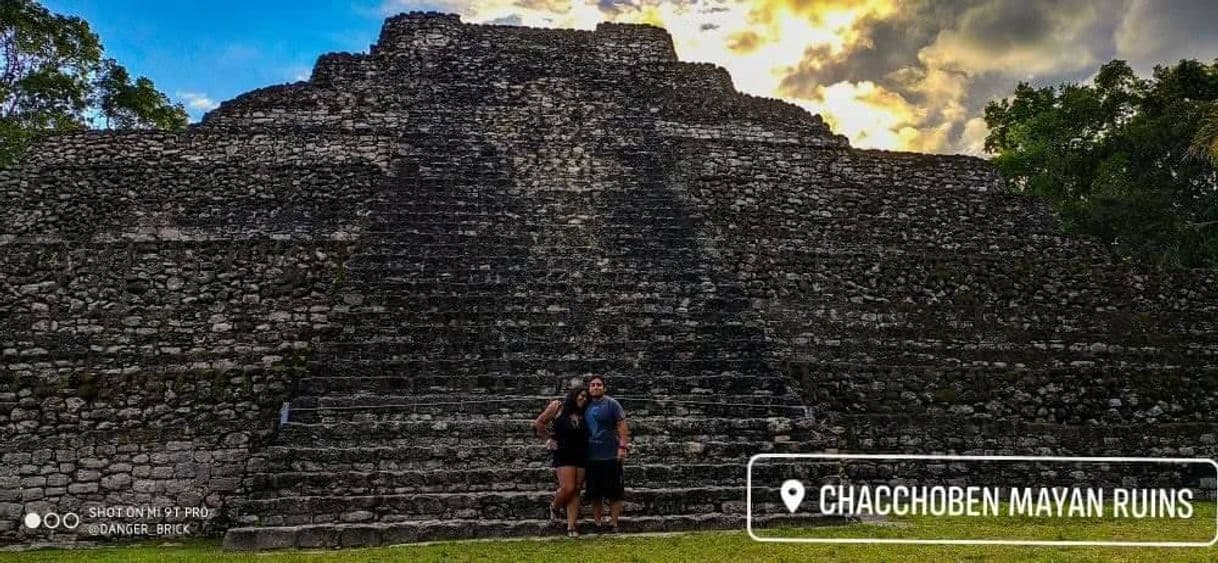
(330, 311)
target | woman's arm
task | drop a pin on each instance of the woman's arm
(539, 425)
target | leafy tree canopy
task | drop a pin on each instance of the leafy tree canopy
(1125, 159)
(55, 78)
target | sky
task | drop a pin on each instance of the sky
(893, 74)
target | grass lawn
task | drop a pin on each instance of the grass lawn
(725, 546)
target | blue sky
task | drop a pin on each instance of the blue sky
(202, 53)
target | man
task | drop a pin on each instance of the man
(608, 442)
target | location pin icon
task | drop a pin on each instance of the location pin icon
(792, 494)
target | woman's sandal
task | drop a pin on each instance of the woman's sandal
(557, 514)
(572, 533)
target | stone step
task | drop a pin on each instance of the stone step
(458, 244)
(368, 535)
(519, 257)
(478, 268)
(971, 435)
(607, 312)
(669, 233)
(983, 349)
(364, 407)
(469, 359)
(502, 403)
(677, 227)
(378, 458)
(405, 383)
(417, 211)
(707, 316)
(301, 483)
(321, 509)
(457, 341)
(699, 318)
(550, 286)
(501, 292)
(557, 291)
(989, 393)
(475, 343)
(543, 284)
(478, 196)
(990, 248)
(643, 429)
(480, 366)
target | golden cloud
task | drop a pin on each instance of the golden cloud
(743, 42)
(907, 74)
(898, 74)
(867, 113)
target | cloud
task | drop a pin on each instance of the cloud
(297, 72)
(898, 74)
(198, 101)
(972, 140)
(510, 19)
(1164, 32)
(948, 58)
(394, 7)
(866, 112)
(535, 13)
(1033, 37)
(744, 42)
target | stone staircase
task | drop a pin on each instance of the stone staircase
(469, 311)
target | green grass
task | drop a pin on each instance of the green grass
(728, 545)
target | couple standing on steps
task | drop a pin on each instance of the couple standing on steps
(589, 439)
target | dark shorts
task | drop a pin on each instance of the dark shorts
(604, 480)
(563, 458)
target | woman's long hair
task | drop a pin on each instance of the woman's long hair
(570, 405)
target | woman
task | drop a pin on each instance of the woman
(569, 443)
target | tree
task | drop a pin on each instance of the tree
(1205, 142)
(1116, 158)
(55, 79)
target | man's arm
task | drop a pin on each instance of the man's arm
(623, 434)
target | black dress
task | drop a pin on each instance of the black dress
(572, 436)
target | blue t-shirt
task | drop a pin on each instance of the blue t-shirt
(602, 416)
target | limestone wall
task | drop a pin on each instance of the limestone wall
(924, 310)
(158, 296)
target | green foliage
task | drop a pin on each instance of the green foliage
(135, 106)
(1205, 142)
(1117, 158)
(55, 79)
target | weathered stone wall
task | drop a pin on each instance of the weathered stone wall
(161, 294)
(158, 295)
(924, 310)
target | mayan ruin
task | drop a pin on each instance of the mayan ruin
(321, 311)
